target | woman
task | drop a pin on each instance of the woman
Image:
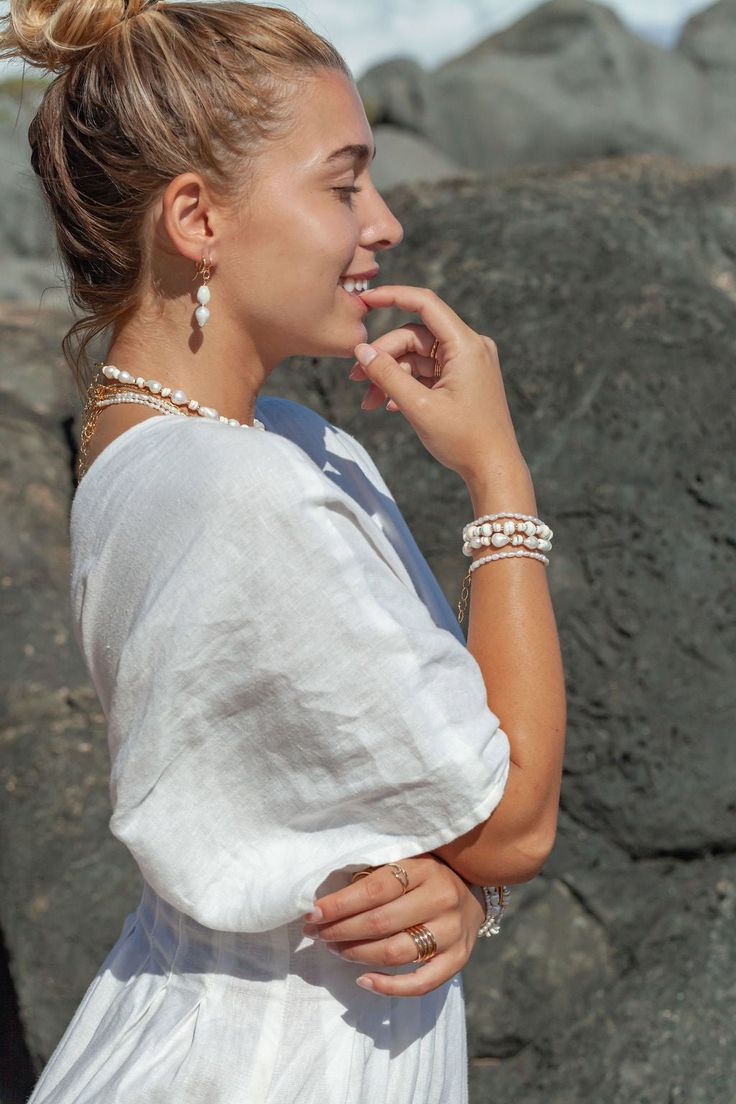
(304, 758)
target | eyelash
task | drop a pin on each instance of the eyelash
(350, 189)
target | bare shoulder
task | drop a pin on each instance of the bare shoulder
(112, 421)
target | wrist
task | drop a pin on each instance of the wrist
(493, 491)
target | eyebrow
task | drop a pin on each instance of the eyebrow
(360, 152)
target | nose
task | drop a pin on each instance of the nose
(381, 230)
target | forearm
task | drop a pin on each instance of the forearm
(512, 634)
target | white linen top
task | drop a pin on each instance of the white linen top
(288, 698)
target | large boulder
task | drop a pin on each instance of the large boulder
(610, 290)
(568, 81)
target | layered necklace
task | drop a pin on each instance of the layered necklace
(112, 385)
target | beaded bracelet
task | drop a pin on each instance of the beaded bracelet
(489, 530)
(528, 530)
(496, 898)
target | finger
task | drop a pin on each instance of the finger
(416, 982)
(385, 374)
(398, 949)
(376, 889)
(439, 318)
(409, 344)
(382, 921)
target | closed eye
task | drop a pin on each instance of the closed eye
(347, 191)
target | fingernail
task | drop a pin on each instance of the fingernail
(365, 353)
(364, 982)
(333, 950)
(364, 404)
(355, 372)
(315, 914)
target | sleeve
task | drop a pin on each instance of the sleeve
(285, 706)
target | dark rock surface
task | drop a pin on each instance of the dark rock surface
(610, 289)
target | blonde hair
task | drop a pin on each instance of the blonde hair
(145, 91)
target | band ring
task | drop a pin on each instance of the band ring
(424, 941)
(437, 366)
(362, 873)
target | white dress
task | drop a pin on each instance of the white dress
(288, 699)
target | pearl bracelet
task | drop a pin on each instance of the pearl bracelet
(515, 529)
(527, 530)
(496, 899)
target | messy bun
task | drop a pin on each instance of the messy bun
(146, 91)
(50, 34)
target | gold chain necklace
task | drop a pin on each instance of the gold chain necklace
(110, 385)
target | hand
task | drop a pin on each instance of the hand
(462, 418)
(365, 922)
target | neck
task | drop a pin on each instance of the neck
(215, 367)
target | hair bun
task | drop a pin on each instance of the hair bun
(53, 34)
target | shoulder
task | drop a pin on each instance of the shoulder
(314, 432)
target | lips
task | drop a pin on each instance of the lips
(355, 296)
(368, 275)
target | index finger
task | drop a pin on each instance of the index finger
(377, 888)
(437, 315)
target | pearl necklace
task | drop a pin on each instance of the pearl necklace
(150, 392)
(178, 397)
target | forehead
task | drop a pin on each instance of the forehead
(330, 124)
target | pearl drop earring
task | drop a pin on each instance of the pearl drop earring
(203, 293)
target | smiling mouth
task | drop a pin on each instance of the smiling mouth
(354, 287)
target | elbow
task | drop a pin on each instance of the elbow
(534, 854)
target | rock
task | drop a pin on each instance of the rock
(610, 289)
(403, 157)
(708, 38)
(568, 81)
(30, 271)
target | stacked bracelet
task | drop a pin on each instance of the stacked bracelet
(496, 898)
(515, 529)
(524, 529)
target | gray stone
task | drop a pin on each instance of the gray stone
(569, 81)
(610, 289)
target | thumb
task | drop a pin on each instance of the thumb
(381, 369)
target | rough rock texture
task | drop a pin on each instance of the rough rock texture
(569, 81)
(611, 292)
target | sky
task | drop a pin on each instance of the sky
(434, 30)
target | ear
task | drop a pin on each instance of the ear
(191, 217)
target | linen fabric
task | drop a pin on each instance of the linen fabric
(288, 699)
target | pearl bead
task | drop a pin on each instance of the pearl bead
(177, 397)
(497, 527)
(509, 528)
(486, 529)
(202, 314)
(498, 540)
(203, 295)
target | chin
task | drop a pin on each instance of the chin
(344, 342)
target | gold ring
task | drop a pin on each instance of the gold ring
(437, 366)
(424, 941)
(362, 873)
(400, 874)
